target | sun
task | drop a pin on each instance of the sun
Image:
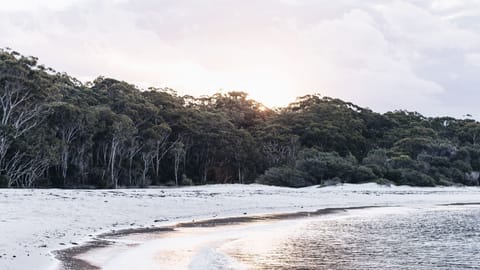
(272, 94)
(273, 100)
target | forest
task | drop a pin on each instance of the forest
(56, 131)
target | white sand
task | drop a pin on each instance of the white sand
(33, 223)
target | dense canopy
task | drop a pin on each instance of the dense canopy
(58, 132)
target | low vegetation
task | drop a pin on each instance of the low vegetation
(58, 132)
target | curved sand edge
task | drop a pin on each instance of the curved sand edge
(71, 258)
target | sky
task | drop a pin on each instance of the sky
(417, 55)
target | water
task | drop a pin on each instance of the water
(438, 238)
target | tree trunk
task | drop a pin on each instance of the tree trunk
(112, 162)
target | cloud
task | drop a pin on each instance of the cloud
(353, 59)
(29, 5)
(419, 29)
(473, 59)
(418, 55)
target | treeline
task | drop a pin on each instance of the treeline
(58, 132)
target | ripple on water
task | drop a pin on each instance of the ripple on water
(439, 238)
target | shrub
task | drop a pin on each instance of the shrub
(443, 181)
(377, 170)
(383, 181)
(394, 175)
(362, 174)
(462, 165)
(285, 176)
(377, 157)
(416, 178)
(332, 182)
(327, 165)
(403, 161)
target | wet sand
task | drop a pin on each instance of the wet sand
(461, 204)
(182, 241)
(75, 257)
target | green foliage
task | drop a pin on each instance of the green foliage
(415, 178)
(362, 174)
(285, 176)
(109, 133)
(326, 165)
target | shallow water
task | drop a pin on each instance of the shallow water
(442, 237)
(438, 238)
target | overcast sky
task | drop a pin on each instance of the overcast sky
(417, 55)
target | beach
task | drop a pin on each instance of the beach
(420, 237)
(37, 225)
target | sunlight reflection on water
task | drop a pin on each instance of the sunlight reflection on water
(438, 238)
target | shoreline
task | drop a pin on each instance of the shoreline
(69, 258)
(461, 204)
(39, 224)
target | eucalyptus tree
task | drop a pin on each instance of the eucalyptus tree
(58, 131)
(123, 131)
(23, 106)
(68, 121)
(112, 135)
(177, 151)
(470, 132)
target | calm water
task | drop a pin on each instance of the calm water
(439, 238)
